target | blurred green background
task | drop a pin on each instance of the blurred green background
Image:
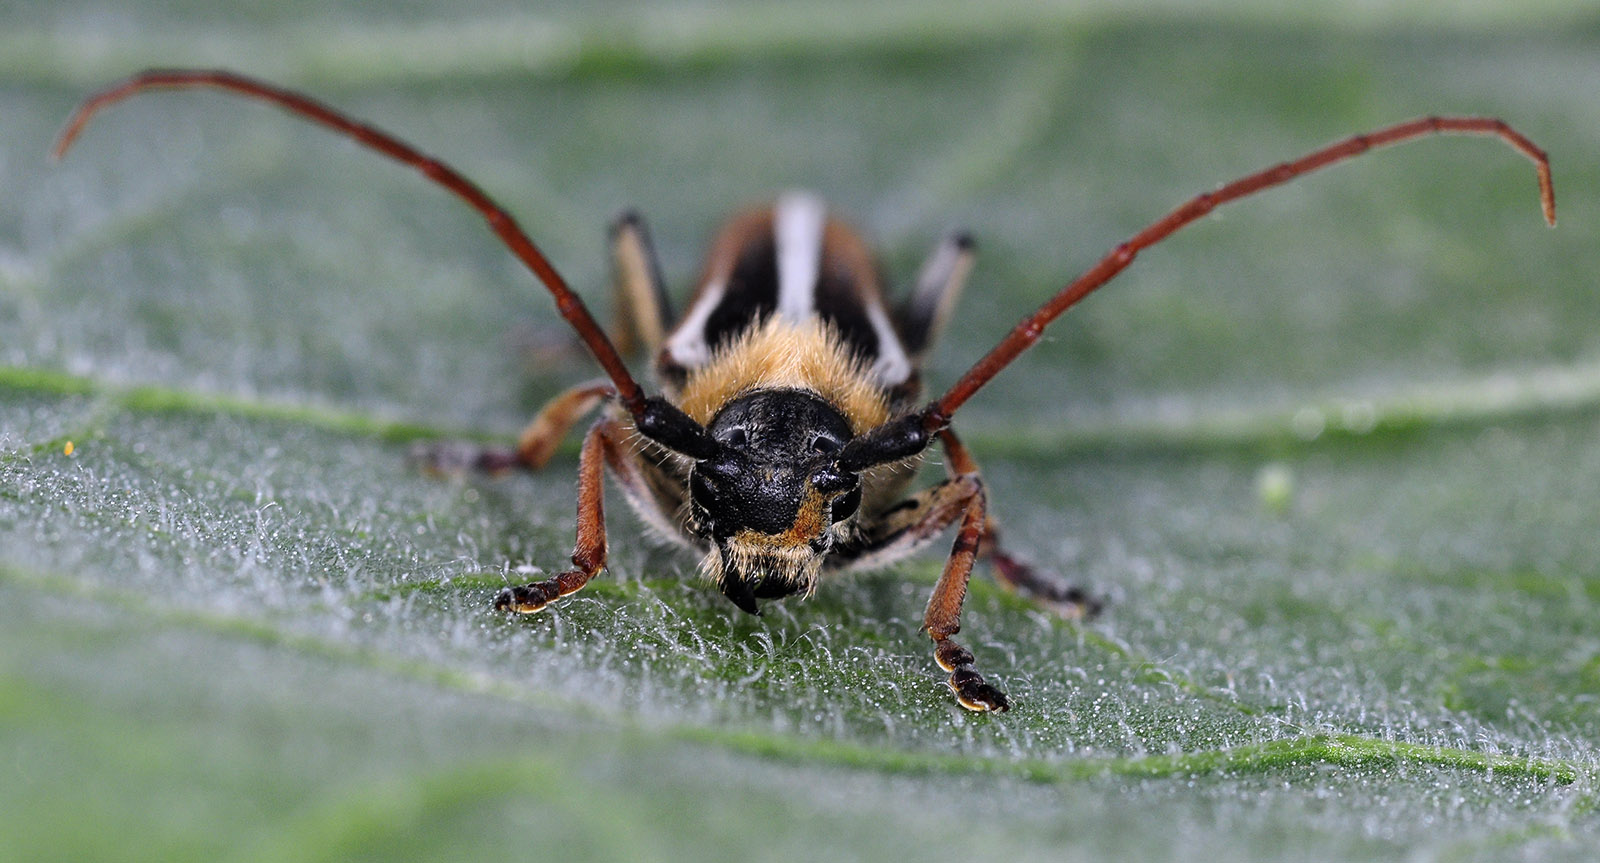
(1330, 453)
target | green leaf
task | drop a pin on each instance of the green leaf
(1329, 453)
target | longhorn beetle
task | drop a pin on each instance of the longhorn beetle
(788, 421)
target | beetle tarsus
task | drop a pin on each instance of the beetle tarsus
(976, 694)
(528, 598)
(972, 691)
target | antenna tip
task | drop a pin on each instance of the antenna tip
(1547, 193)
(69, 133)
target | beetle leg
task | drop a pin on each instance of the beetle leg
(916, 521)
(979, 535)
(909, 525)
(962, 496)
(1047, 589)
(643, 313)
(535, 445)
(601, 446)
(943, 616)
(539, 438)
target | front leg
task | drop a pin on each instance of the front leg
(943, 616)
(917, 521)
(601, 445)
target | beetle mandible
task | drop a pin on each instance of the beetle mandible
(789, 419)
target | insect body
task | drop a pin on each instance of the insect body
(786, 352)
(789, 421)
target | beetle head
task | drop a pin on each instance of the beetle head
(772, 500)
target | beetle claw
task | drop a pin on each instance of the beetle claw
(972, 691)
(976, 694)
(523, 599)
(528, 598)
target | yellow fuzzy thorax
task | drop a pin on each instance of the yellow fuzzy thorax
(783, 355)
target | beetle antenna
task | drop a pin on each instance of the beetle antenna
(500, 221)
(937, 414)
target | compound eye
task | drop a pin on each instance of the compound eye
(824, 444)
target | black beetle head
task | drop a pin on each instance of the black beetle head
(769, 500)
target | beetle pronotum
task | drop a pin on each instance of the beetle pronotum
(789, 416)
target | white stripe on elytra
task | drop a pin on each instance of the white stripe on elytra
(688, 346)
(797, 223)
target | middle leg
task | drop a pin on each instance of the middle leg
(601, 446)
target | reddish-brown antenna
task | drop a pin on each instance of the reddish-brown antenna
(937, 414)
(500, 221)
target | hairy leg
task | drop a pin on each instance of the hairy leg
(942, 619)
(601, 446)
